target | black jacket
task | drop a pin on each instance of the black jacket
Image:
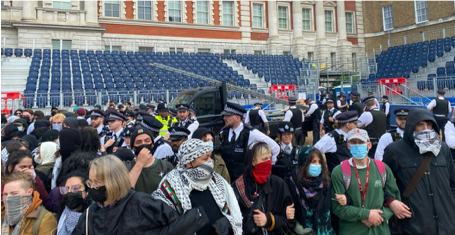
(432, 202)
(138, 213)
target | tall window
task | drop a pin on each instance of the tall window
(310, 56)
(421, 11)
(306, 19)
(258, 10)
(202, 12)
(112, 8)
(144, 10)
(175, 11)
(282, 17)
(349, 22)
(66, 44)
(228, 13)
(227, 51)
(354, 62)
(114, 48)
(61, 5)
(333, 59)
(328, 21)
(387, 17)
(146, 49)
(203, 50)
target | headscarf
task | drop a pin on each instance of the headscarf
(47, 152)
(176, 186)
(70, 141)
(71, 122)
(31, 140)
(200, 132)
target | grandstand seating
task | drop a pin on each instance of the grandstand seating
(80, 76)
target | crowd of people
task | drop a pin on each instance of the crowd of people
(155, 170)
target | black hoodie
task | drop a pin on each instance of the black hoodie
(432, 202)
(31, 140)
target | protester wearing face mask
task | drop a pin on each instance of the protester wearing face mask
(21, 124)
(57, 121)
(22, 161)
(310, 188)
(74, 202)
(263, 198)
(121, 210)
(431, 200)
(194, 184)
(45, 160)
(177, 136)
(21, 207)
(147, 171)
(365, 180)
(207, 136)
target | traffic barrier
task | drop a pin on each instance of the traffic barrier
(393, 84)
(9, 96)
(282, 91)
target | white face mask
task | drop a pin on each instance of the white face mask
(38, 161)
(211, 145)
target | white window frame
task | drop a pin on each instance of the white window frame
(332, 22)
(57, 42)
(233, 13)
(62, 1)
(311, 18)
(287, 16)
(114, 48)
(384, 23)
(119, 9)
(209, 10)
(145, 49)
(353, 27)
(263, 14)
(416, 13)
(182, 18)
(151, 10)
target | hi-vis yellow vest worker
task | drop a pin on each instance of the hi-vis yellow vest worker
(166, 122)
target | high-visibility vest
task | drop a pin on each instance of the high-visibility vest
(165, 123)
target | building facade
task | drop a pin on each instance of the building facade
(393, 23)
(307, 29)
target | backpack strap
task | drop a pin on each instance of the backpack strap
(37, 222)
(240, 184)
(382, 171)
(346, 168)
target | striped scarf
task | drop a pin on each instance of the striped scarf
(15, 209)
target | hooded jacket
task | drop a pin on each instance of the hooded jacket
(70, 141)
(32, 142)
(432, 202)
(71, 122)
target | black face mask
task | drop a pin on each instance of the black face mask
(73, 200)
(27, 118)
(53, 113)
(98, 195)
(138, 149)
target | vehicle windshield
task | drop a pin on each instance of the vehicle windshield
(183, 98)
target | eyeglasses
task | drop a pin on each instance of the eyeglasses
(73, 189)
(95, 185)
(18, 114)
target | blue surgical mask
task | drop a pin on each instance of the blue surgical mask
(359, 151)
(314, 170)
(19, 128)
(211, 145)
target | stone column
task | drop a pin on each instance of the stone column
(273, 19)
(29, 11)
(91, 8)
(320, 20)
(297, 41)
(341, 19)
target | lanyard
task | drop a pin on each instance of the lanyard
(362, 194)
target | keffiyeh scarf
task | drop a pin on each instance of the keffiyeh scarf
(16, 207)
(68, 221)
(427, 141)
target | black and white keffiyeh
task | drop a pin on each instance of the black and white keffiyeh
(68, 221)
(427, 141)
(176, 186)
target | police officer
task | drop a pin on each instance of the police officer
(184, 119)
(151, 109)
(173, 113)
(193, 114)
(178, 135)
(140, 116)
(374, 122)
(288, 157)
(235, 138)
(164, 117)
(161, 148)
(115, 138)
(449, 132)
(342, 105)
(392, 135)
(127, 135)
(375, 100)
(328, 118)
(386, 109)
(130, 116)
(97, 120)
(333, 144)
(296, 117)
(256, 118)
(315, 115)
(356, 104)
(441, 109)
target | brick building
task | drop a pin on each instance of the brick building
(388, 22)
(310, 29)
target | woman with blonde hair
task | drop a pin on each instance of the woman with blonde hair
(263, 197)
(121, 210)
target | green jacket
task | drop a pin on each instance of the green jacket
(351, 216)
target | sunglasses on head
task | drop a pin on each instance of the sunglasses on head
(73, 189)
